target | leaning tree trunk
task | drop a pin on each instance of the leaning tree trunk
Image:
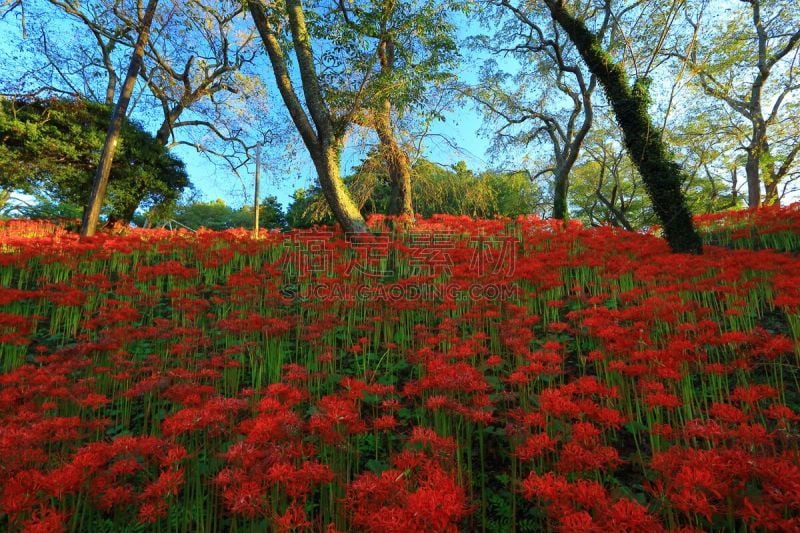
(661, 175)
(322, 139)
(326, 163)
(128, 210)
(92, 212)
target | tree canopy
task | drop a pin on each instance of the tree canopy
(52, 147)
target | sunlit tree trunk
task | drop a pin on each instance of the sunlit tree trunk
(91, 214)
(397, 163)
(322, 139)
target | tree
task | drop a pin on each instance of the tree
(460, 191)
(92, 213)
(49, 147)
(526, 106)
(325, 137)
(661, 175)
(214, 215)
(196, 80)
(43, 207)
(271, 214)
(415, 48)
(607, 190)
(710, 160)
(753, 69)
(605, 194)
(87, 68)
(197, 73)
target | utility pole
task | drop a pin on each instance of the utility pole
(255, 197)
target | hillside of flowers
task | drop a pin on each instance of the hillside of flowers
(771, 226)
(490, 375)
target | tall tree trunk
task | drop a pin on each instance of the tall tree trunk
(758, 144)
(91, 214)
(661, 175)
(326, 163)
(752, 170)
(323, 138)
(397, 164)
(560, 188)
(758, 151)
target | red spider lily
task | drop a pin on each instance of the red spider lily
(337, 418)
(585, 504)
(423, 499)
(214, 416)
(534, 446)
(294, 519)
(46, 520)
(612, 362)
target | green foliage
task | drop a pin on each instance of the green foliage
(52, 147)
(423, 50)
(48, 209)
(619, 184)
(308, 207)
(436, 190)
(217, 215)
(459, 191)
(271, 214)
(607, 189)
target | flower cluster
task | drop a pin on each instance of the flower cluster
(155, 378)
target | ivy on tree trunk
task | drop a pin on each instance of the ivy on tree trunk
(662, 176)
